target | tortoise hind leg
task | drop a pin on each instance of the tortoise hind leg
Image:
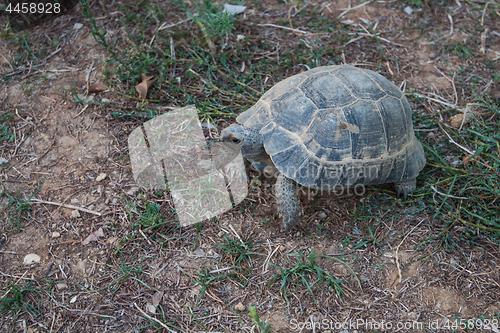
(288, 204)
(406, 187)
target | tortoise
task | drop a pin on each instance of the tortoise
(327, 128)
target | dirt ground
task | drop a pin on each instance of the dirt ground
(77, 156)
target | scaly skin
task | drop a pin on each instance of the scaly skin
(287, 202)
(406, 187)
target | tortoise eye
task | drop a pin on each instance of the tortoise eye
(235, 140)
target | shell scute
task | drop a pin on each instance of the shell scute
(326, 91)
(360, 84)
(292, 110)
(257, 116)
(370, 141)
(395, 123)
(386, 86)
(284, 86)
(324, 131)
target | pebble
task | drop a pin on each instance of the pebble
(100, 177)
(133, 191)
(234, 9)
(408, 10)
(55, 234)
(61, 286)
(199, 252)
(240, 307)
(31, 258)
(75, 213)
(322, 215)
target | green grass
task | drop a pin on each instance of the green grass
(5, 131)
(306, 273)
(264, 327)
(19, 297)
(205, 278)
(468, 186)
(239, 255)
(17, 208)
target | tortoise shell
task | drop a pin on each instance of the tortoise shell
(337, 126)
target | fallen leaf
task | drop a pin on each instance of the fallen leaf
(457, 120)
(111, 240)
(142, 88)
(97, 87)
(73, 300)
(157, 298)
(93, 236)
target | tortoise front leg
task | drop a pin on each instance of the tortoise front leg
(288, 204)
(406, 187)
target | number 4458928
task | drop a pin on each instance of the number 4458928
(32, 8)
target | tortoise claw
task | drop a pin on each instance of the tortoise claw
(403, 190)
(405, 187)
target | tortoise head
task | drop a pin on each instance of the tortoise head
(248, 139)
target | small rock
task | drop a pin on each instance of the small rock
(133, 191)
(199, 252)
(282, 248)
(73, 300)
(408, 10)
(75, 213)
(240, 307)
(100, 177)
(61, 286)
(347, 22)
(28, 141)
(240, 37)
(233, 9)
(85, 98)
(31, 258)
(150, 308)
(74, 201)
(77, 26)
(55, 234)
(322, 215)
